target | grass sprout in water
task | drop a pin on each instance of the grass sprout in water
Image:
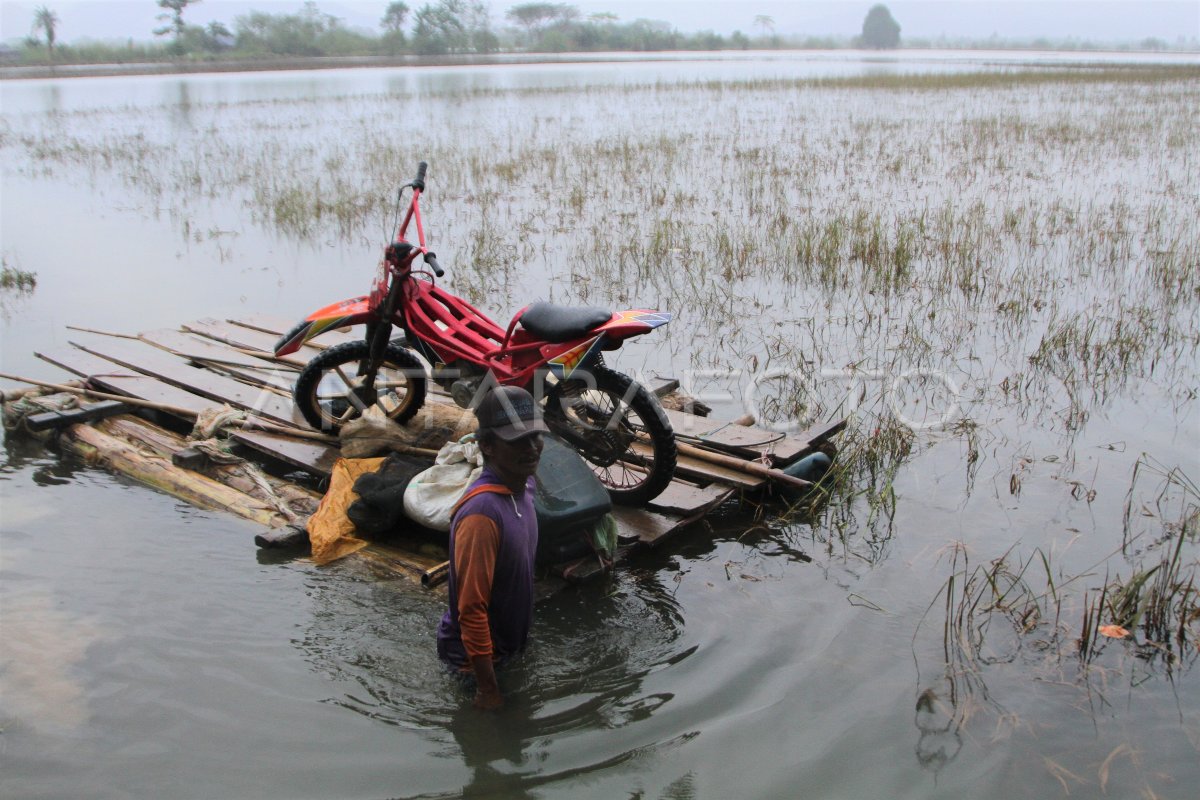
(1157, 607)
(992, 612)
(16, 280)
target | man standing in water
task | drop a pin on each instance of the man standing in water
(493, 539)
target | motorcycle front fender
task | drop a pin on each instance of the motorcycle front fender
(354, 311)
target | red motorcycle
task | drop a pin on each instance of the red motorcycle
(554, 352)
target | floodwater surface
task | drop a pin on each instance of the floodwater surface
(989, 263)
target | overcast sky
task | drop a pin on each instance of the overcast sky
(1097, 20)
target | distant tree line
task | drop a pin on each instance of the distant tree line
(441, 27)
(436, 28)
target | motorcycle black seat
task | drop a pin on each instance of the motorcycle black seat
(562, 323)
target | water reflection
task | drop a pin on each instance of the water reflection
(43, 647)
(179, 104)
(22, 452)
(487, 743)
(499, 761)
(52, 98)
(940, 739)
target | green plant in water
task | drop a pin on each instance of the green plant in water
(1157, 607)
(16, 279)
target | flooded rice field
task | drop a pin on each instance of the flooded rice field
(992, 268)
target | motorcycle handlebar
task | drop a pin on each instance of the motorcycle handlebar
(419, 181)
(432, 262)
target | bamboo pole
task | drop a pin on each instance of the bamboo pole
(98, 447)
(435, 574)
(300, 503)
(248, 423)
(749, 467)
(101, 333)
(414, 565)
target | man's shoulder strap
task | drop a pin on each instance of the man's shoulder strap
(482, 488)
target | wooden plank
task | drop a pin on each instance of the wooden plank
(661, 387)
(219, 332)
(312, 457)
(821, 433)
(279, 382)
(71, 416)
(749, 441)
(149, 360)
(683, 498)
(108, 377)
(742, 440)
(236, 335)
(86, 365)
(648, 527)
(702, 470)
(267, 323)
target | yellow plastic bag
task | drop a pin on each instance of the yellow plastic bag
(329, 530)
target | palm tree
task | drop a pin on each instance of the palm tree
(47, 21)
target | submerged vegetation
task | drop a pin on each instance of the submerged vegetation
(991, 610)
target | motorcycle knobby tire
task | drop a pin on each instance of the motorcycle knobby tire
(328, 412)
(624, 486)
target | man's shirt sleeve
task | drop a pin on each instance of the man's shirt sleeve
(477, 542)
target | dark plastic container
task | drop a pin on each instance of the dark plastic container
(810, 468)
(569, 500)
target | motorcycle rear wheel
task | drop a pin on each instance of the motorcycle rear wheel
(330, 390)
(619, 429)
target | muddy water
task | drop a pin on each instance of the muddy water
(150, 650)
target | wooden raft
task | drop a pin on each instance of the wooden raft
(210, 363)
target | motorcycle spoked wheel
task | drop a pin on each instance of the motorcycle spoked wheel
(620, 429)
(330, 390)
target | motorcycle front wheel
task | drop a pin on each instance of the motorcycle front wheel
(619, 429)
(331, 389)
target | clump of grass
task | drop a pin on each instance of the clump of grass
(14, 278)
(1101, 347)
(988, 611)
(1158, 605)
(870, 454)
(998, 592)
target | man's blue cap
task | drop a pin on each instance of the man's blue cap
(510, 413)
